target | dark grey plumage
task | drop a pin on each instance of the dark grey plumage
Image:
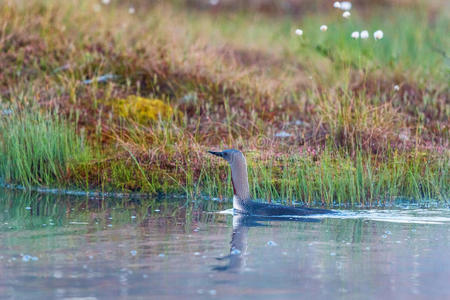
(263, 209)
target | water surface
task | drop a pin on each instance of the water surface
(59, 247)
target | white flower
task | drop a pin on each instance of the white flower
(346, 14)
(213, 2)
(131, 10)
(396, 87)
(355, 34)
(337, 4)
(364, 34)
(323, 28)
(345, 5)
(106, 2)
(298, 32)
(378, 35)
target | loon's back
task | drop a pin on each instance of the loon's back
(264, 209)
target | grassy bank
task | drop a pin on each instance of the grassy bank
(131, 100)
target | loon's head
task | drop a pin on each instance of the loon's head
(239, 175)
(232, 156)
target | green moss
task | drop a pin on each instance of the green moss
(142, 110)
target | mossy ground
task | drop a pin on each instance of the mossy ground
(235, 76)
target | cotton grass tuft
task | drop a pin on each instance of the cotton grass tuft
(345, 5)
(364, 34)
(298, 32)
(355, 34)
(378, 35)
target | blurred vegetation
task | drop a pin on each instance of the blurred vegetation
(150, 91)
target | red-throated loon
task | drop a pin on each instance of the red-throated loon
(241, 199)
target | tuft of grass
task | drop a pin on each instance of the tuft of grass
(39, 148)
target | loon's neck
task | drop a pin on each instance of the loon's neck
(241, 195)
(241, 191)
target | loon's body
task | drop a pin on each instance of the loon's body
(242, 203)
(253, 208)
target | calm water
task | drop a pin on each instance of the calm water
(54, 247)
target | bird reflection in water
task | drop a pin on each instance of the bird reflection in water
(239, 239)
